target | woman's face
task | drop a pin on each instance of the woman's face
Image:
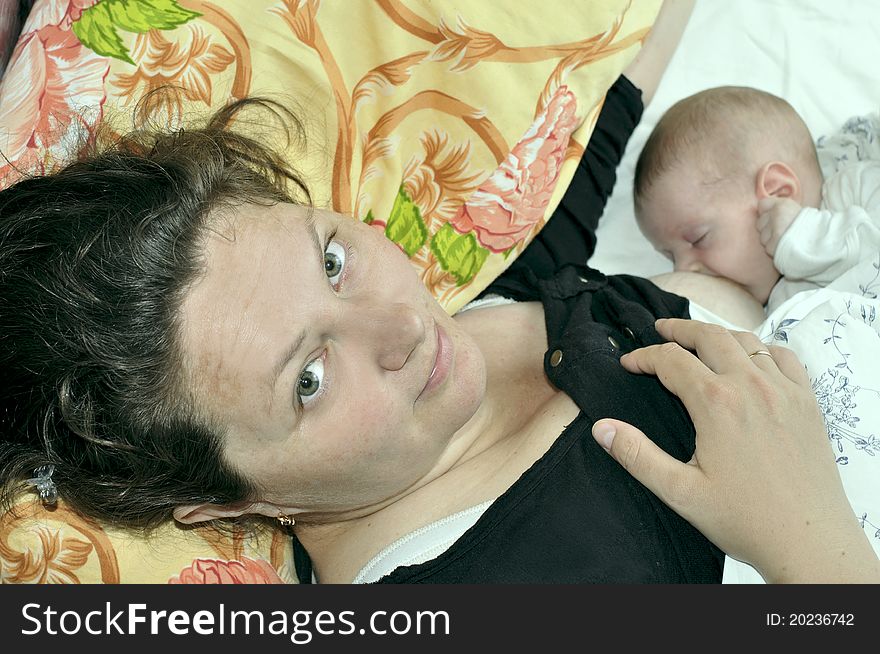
(311, 337)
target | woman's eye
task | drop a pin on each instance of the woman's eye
(334, 261)
(309, 383)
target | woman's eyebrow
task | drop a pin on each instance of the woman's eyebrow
(295, 346)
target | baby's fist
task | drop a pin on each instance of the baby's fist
(775, 215)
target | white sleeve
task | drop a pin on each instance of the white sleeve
(822, 244)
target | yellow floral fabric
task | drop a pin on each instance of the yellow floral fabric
(453, 126)
(58, 546)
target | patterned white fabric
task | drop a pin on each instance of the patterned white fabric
(835, 332)
(857, 140)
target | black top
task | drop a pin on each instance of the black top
(576, 516)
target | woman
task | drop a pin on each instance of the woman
(201, 345)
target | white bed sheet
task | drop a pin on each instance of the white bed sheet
(823, 56)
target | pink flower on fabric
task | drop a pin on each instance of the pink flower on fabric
(50, 80)
(218, 571)
(504, 209)
(57, 13)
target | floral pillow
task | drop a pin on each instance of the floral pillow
(59, 546)
(453, 126)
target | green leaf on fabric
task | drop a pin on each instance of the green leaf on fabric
(459, 254)
(370, 217)
(405, 224)
(97, 27)
(144, 15)
(95, 31)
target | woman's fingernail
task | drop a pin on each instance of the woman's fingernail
(604, 435)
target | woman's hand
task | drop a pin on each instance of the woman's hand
(762, 483)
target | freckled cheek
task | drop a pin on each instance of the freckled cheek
(365, 425)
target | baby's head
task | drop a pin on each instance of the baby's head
(698, 180)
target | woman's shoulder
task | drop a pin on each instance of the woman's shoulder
(489, 318)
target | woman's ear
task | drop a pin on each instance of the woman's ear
(778, 180)
(194, 513)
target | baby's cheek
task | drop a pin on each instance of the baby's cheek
(765, 286)
(725, 262)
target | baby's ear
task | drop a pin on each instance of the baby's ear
(778, 180)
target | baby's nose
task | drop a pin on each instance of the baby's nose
(689, 264)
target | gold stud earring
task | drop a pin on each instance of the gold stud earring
(286, 520)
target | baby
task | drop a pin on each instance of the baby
(729, 184)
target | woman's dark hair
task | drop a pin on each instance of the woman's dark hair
(94, 262)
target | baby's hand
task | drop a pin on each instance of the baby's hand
(775, 215)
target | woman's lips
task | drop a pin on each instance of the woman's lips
(442, 362)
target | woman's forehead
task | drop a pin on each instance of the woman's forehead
(234, 316)
(255, 219)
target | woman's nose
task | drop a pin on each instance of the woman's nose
(393, 331)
